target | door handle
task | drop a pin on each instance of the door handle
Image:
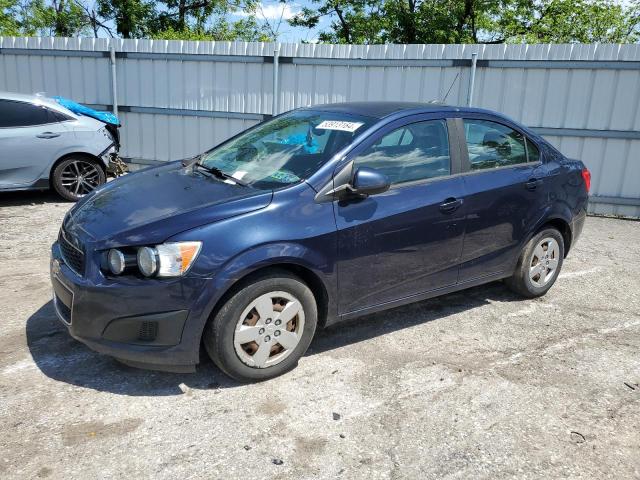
(533, 184)
(450, 205)
(48, 135)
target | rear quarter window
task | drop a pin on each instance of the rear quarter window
(492, 145)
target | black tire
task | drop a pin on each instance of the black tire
(64, 173)
(521, 281)
(219, 333)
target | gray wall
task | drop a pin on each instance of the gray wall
(178, 98)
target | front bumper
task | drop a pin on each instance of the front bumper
(144, 322)
(107, 155)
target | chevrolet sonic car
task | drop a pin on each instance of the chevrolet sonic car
(44, 144)
(315, 216)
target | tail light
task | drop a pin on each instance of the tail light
(586, 176)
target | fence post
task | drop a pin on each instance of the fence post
(114, 80)
(472, 78)
(276, 89)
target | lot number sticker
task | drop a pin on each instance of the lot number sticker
(339, 125)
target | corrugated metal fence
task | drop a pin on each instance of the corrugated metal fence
(178, 98)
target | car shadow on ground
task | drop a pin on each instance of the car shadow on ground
(34, 197)
(65, 359)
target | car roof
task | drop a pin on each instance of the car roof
(35, 99)
(381, 110)
(21, 97)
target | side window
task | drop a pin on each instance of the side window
(21, 114)
(418, 151)
(533, 154)
(492, 145)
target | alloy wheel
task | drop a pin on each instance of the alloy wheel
(544, 262)
(80, 177)
(269, 329)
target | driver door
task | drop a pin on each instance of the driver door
(407, 240)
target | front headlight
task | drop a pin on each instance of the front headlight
(117, 262)
(147, 261)
(168, 259)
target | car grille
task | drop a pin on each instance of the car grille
(72, 255)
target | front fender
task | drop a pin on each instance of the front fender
(274, 254)
(293, 231)
(285, 254)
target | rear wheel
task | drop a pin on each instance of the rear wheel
(263, 329)
(75, 177)
(539, 265)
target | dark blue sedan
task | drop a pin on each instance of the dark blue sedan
(316, 216)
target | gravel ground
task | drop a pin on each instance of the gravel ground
(479, 384)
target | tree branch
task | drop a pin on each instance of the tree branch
(345, 27)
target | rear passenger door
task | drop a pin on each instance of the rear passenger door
(504, 194)
(407, 240)
(31, 137)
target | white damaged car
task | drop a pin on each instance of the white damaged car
(55, 143)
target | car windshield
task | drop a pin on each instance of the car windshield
(286, 149)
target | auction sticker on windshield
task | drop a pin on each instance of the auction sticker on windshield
(339, 125)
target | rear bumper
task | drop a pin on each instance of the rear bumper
(145, 323)
(577, 224)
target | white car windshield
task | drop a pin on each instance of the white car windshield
(287, 149)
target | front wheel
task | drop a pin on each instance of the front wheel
(263, 329)
(539, 265)
(75, 177)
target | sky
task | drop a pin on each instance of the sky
(276, 13)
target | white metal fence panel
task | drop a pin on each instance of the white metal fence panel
(177, 98)
(170, 137)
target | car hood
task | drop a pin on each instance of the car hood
(154, 204)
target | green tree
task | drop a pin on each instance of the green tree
(566, 21)
(132, 18)
(221, 30)
(61, 18)
(396, 21)
(9, 24)
(66, 18)
(435, 21)
(354, 21)
(472, 21)
(247, 29)
(188, 15)
(209, 20)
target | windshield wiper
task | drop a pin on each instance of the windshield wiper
(216, 172)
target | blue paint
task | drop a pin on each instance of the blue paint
(106, 117)
(368, 252)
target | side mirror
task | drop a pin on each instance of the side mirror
(367, 181)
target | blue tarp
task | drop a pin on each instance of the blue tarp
(106, 117)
